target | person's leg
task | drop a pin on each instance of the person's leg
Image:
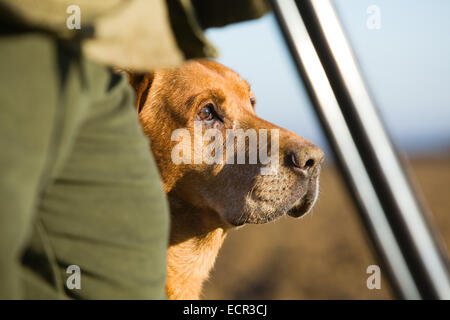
(105, 211)
(73, 151)
(29, 113)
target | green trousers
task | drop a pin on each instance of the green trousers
(78, 184)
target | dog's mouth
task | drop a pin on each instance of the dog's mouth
(298, 209)
(304, 205)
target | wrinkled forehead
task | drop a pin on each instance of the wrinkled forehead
(198, 77)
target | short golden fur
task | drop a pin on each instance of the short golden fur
(207, 200)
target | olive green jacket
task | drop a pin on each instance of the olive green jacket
(133, 34)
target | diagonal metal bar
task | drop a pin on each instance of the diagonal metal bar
(405, 241)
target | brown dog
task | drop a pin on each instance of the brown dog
(206, 200)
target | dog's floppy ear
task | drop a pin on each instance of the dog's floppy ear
(141, 82)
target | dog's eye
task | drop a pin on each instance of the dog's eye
(207, 113)
(253, 101)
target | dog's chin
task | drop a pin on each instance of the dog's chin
(299, 208)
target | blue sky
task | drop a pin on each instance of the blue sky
(406, 64)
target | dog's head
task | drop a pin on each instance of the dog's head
(220, 173)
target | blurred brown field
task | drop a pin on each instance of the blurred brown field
(322, 256)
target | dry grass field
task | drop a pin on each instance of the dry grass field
(322, 256)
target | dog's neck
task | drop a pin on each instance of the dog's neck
(196, 236)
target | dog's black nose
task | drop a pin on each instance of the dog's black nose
(306, 158)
